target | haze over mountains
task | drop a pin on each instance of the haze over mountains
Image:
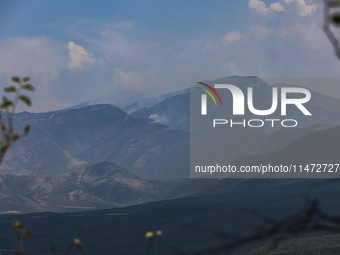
(66, 140)
(151, 142)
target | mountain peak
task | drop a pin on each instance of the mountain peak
(99, 107)
(243, 77)
(93, 113)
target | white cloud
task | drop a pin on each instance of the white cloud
(304, 8)
(258, 6)
(261, 8)
(232, 37)
(277, 7)
(79, 58)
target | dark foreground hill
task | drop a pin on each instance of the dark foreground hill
(187, 224)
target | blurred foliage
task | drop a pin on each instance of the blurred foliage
(332, 19)
(23, 234)
(151, 235)
(8, 107)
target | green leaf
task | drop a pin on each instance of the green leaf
(10, 89)
(18, 226)
(334, 19)
(27, 129)
(26, 100)
(6, 102)
(16, 137)
(29, 234)
(3, 127)
(16, 79)
(4, 147)
(28, 87)
(5, 105)
(26, 79)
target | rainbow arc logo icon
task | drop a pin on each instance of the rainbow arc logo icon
(204, 97)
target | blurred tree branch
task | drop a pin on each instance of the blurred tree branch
(310, 219)
(331, 19)
(8, 107)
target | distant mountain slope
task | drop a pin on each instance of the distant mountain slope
(173, 112)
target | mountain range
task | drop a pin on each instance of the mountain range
(62, 144)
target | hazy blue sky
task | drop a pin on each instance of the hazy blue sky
(79, 50)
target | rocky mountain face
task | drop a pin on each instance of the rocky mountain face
(99, 186)
(106, 185)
